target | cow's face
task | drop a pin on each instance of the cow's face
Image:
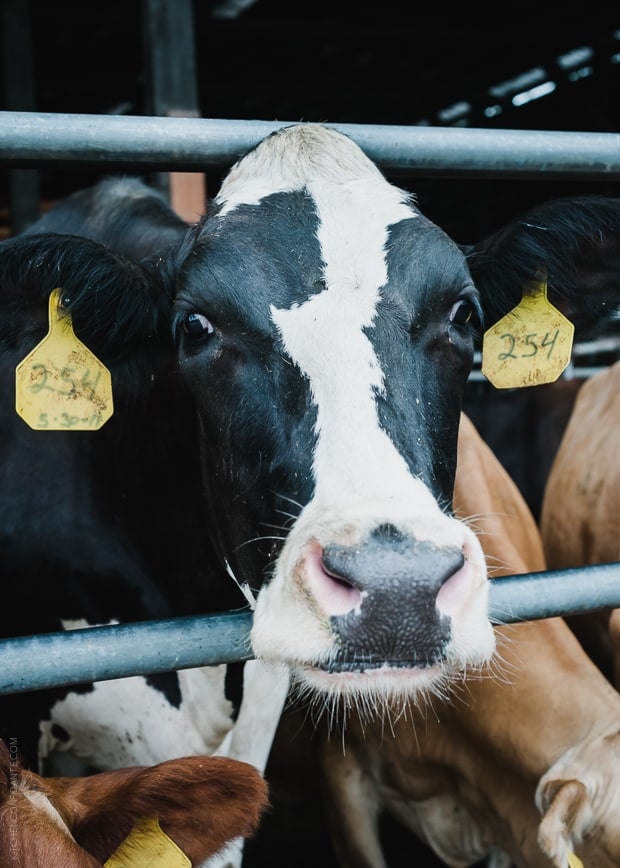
(326, 331)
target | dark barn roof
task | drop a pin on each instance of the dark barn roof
(390, 62)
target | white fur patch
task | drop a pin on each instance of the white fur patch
(125, 722)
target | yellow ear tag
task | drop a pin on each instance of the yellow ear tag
(574, 861)
(61, 385)
(532, 344)
(148, 846)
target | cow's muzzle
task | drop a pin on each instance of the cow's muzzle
(392, 581)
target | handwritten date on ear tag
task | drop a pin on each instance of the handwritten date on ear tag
(61, 384)
(532, 344)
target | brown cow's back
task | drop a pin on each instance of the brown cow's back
(581, 508)
(580, 518)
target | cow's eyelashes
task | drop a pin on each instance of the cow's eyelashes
(197, 326)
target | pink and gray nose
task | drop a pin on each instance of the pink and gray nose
(397, 621)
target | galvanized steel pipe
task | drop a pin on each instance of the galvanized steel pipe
(140, 648)
(531, 596)
(30, 139)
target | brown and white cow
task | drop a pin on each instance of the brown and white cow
(471, 772)
(580, 518)
(180, 812)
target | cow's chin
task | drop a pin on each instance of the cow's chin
(372, 691)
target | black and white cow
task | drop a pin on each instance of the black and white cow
(325, 331)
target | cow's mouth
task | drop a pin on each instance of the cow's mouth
(371, 678)
(360, 661)
(363, 665)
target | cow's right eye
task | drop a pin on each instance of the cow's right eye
(196, 325)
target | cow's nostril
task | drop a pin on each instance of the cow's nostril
(342, 580)
(398, 579)
(333, 591)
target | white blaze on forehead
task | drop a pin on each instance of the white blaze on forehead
(325, 336)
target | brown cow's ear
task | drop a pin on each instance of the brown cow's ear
(565, 805)
(202, 803)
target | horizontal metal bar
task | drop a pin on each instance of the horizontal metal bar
(115, 651)
(30, 139)
(531, 596)
(100, 653)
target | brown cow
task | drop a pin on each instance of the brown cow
(580, 518)
(200, 802)
(466, 774)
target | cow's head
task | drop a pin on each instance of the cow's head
(326, 329)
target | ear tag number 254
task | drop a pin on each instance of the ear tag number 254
(61, 384)
(530, 345)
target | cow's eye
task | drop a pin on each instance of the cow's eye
(463, 312)
(196, 325)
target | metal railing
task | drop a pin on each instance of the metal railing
(29, 139)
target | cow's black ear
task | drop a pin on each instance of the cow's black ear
(115, 304)
(574, 241)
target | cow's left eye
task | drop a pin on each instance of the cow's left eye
(463, 312)
(196, 325)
